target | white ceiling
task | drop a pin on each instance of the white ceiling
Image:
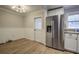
(32, 7)
(29, 7)
(36, 7)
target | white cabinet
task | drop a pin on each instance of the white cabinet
(78, 44)
(71, 42)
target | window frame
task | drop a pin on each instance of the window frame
(66, 18)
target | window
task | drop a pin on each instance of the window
(73, 21)
(38, 23)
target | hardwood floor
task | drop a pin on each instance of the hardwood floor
(25, 46)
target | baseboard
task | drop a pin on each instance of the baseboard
(10, 41)
(64, 50)
(2, 43)
(56, 48)
(71, 51)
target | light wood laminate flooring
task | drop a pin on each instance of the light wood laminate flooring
(26, 46)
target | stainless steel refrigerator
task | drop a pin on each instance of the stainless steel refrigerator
(54, 32)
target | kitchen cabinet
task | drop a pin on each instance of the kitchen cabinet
(78, 44)
(70, 42)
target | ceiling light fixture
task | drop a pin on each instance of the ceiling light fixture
(19, 8)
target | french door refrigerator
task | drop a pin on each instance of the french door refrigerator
(54, 32)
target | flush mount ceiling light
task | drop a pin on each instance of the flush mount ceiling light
(19, 8)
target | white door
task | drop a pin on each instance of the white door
(71, 42)
(38, 29)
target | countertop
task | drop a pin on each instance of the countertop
(71, 32)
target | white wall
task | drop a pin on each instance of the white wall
(11, 26)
